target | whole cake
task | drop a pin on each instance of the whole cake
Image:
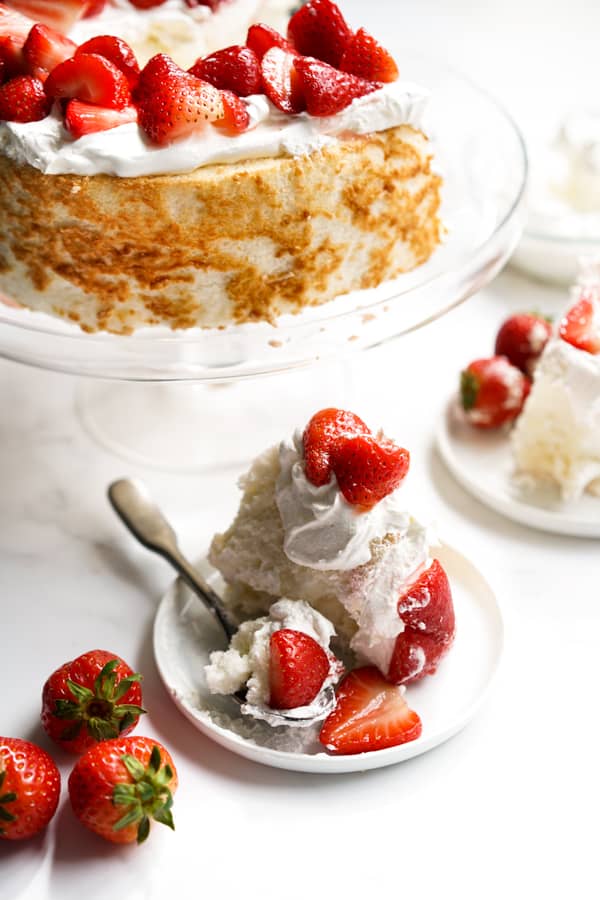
(557, 436)
(271, 177)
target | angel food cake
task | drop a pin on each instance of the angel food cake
(271, 177)
(322, 522)
(557, 437)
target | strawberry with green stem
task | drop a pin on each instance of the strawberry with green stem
(29, 789)
(93, 698)
(118, 787)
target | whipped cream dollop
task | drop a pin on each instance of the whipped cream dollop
(321, 529)
(246, 661)
(126, 152)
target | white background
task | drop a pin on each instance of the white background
(507, 808)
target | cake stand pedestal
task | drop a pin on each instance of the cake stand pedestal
(172, 398)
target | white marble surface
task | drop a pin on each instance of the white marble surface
(508, 807)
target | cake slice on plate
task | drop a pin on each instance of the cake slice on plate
(557, 437)
(322, 521)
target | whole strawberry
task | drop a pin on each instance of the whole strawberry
(117, 787)
(93, 698)
(29, 789)
(492, 392)
(522, 338)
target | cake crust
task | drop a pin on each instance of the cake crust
(223, 244)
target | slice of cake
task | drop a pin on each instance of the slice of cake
(557, 437)
(273, 177)
(322, 521)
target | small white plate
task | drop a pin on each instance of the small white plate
(185, 633)
(481, 461)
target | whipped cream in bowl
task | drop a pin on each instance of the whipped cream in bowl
(127, 153)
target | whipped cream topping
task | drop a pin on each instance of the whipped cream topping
(126, 152)
(321, 529)
(246, 662)
(174, 27)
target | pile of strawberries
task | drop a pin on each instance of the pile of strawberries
(321, 67)
(119, 784)
(493, 389)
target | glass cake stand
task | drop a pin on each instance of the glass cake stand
(151, 394)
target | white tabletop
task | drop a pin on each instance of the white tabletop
(508, 807)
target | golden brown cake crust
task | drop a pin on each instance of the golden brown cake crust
(225, 243)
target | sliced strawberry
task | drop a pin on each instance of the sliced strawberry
(522, 338)
(365, 57)
(11, 56)
(326, 90)
(94, 8)
(236, 117)
(427, 611)
(90, 78)
(371, 714)
(118, 52)
(320, 436)
(581, 325)
(182, 105)
(45, 48)
(492, 392)
(156, 71)
(262, 37)
(59, 14)
(280, 80)
(368, 468)
(319, 29)
(22, 99)
(234, 69)
(298, 666)
(146, 4)
(87, 118)
(13, 24)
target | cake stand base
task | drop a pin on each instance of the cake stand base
(189, 427)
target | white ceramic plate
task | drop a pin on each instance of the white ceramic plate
(481, 461)
(185, 633)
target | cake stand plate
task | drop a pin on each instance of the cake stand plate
(185, 634)
(482, 463)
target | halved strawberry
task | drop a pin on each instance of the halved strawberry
(45, 48)
(90, 78)
(371, 714)
(281, 82)
(298, 666)
(365, 57)
(181, 105)
(11, 56)
(22, 99)
(13, 24)
(87, 118)
(326, 90)
(59, 14)
(427, 611)
(118, 52)
(319, 29)
(368, 468)
(262, 37)
(581, 325)
(321, 434)
(234, 69)
(236, 117)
